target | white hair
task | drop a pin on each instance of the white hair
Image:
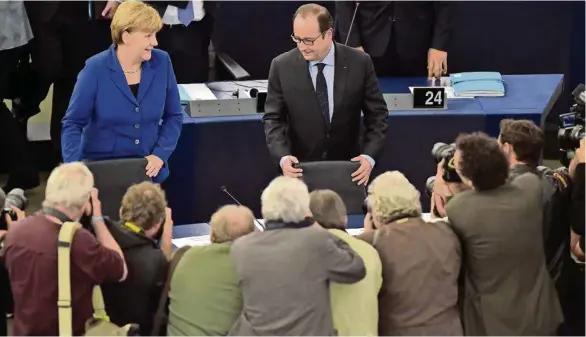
(391, 196)
(69, 186)
(285, 199)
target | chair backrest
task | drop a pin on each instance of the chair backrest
(335, 176)
(113, 177)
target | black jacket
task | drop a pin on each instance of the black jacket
(293, 122)
(415, 25)
(136, 299)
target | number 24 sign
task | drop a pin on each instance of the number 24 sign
(429, 98)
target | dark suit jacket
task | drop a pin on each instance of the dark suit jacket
(294, 124)
(508, 290)
(105, 121)
(416, 26)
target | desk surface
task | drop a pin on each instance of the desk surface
(525, 94)
(182, 231)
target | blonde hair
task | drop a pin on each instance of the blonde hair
(144, 205)
(132, 16)
(231, 222)
(391, 196)
(69, 186)
(285, 199)
(328, 209)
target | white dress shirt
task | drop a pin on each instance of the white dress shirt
(171, 16)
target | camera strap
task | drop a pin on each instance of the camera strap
(59, 215)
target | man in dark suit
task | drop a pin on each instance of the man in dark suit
(315, 95)
(186, 34)
(403, 37)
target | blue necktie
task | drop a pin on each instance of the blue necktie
(186, 15)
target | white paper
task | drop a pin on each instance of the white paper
(201, 240)
(197, 92)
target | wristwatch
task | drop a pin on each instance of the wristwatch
(96, 219)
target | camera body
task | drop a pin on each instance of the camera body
(445, 152)
(14, 198)
(571, 129)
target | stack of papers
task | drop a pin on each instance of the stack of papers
(195, 92)
(478, 84)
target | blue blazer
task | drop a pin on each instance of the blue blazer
(105, 121)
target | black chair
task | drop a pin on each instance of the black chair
(335, 176)
(112, 179)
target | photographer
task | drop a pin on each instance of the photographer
(508, 290)
(145, 222)
(421, 262)
(522, 143)
(30, 255)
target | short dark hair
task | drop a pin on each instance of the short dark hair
(525, 137)
(324, 18)
(482, 161)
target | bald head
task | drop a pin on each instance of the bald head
(231, 222)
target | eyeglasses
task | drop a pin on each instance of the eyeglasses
(307, 41)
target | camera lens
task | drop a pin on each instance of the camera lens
(442, 151)
(429, 186)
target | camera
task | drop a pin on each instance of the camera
(429, 186)
(445, 152)
(14, 198)
(571, 129)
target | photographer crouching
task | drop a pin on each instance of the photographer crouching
(145, 222)
(507, 287)
(30, 254)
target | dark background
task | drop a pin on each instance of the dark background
(528, 37)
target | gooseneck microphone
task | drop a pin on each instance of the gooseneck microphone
(225, 190)
(352, 24)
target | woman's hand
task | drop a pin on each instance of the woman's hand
(154, 165)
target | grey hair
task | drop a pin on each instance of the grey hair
(285, 199)
(69, 186)
(392, 196)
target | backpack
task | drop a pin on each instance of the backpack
(99, 324)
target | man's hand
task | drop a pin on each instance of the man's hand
(438, 203)
(96, 203)
(110, 9)
(368, 225)
(578, 158)
(19, 216)
(362, 174)
(360, 48)
(168, 220)
(437, 63)
(154, 165)
(289, 170)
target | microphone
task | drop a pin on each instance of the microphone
(258, 223)
(352, 23)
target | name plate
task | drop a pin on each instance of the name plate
(429, 98)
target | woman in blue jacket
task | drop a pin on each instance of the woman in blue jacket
(126, 102)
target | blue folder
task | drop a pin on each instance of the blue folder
(481, 83)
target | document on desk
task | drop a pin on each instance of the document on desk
(201, 240)
(195, 92)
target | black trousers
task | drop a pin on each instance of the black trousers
(59, 50)
(15, 152)
(188, 49)
(391, 63)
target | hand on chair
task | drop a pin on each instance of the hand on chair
(362, 174)
(154, 165)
